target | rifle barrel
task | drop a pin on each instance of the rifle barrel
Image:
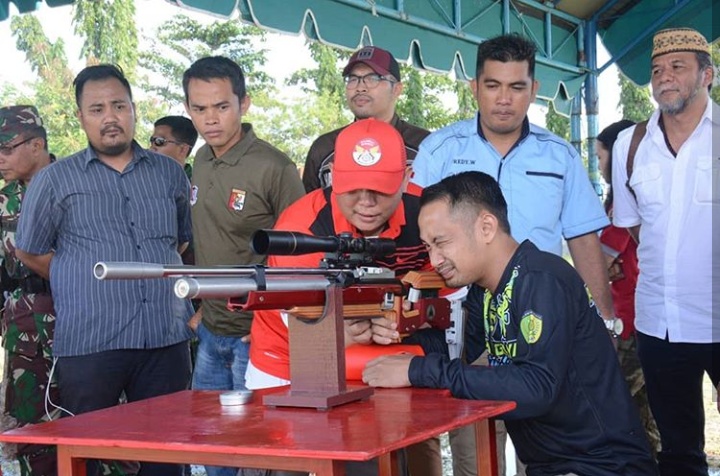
(229, 287)
(132, 270)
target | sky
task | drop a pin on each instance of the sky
(286, 53)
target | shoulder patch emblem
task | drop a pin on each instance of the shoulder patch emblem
(531, 327)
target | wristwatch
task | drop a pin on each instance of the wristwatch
(614, 326)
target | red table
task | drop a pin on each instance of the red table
(192, 427)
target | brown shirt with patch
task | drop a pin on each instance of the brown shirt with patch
(244, 190)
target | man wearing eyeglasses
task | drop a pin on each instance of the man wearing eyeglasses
(372, 88)
(28, 321)
(175, 136)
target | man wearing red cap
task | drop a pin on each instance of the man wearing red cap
(667, 197)
(368, 198)
(372, 88)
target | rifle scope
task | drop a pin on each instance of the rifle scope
(271, 242)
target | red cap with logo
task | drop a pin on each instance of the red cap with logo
(369, 155)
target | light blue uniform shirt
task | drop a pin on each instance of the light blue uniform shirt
(88, 212)
(546, 187)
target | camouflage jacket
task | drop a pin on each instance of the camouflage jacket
(27, 323)
(11, 196)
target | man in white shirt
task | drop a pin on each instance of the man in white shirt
(668, 206)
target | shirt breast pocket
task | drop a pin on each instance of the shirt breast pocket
(707, 179)
(646, 182)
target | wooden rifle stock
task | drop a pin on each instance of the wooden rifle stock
(363, 301)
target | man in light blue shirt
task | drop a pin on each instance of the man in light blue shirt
(542, 177)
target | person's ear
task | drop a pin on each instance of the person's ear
(38, 144)
(397, 89)
(474, 89)
(535, 89)
(245, 105)
(186, 149)
(486, 226)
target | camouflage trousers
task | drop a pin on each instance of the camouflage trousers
(630, 365)
(28, 323)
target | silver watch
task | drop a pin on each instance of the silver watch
(614, 326)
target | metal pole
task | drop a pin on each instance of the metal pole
(591, 103)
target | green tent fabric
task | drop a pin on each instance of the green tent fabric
(442, 35)
(648, 16)
(430, 34)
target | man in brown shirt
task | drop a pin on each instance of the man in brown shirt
(240, 184)
(372, 88)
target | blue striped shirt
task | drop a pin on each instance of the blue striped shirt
(88, 212)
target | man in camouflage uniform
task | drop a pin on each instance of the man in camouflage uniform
(28, 320)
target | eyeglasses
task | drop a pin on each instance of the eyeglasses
(161, 141)
(8, 149)
(371, 80)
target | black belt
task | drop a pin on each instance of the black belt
(35, 285)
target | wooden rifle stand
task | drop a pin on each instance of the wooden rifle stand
(317, 361)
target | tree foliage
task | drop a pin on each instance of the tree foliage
(635, 103)
(557, 123)
(53, 92)
(426, 95)
(107, 28)
(109, 32)
(181, 41)
(715, 91)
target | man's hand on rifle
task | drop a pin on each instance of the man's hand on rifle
(378, 330)
(358, 332)
(390, 371)
(384, 331)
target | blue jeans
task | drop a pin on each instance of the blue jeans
(220, 364)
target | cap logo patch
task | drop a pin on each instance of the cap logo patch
(365, 53)
(367, 152)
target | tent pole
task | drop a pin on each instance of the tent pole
(591, 103)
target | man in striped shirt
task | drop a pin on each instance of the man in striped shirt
(113, 201)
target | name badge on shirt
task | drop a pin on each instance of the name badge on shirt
(237, 200)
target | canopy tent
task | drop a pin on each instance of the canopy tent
(443, 35)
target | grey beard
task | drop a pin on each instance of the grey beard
(681, 104)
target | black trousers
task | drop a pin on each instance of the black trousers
(96, 381)
(673, 377)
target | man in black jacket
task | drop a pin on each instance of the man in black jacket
(547, 346)
(372, 88)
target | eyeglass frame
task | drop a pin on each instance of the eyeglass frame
(7, 150)
(357, 79)
(165, 141)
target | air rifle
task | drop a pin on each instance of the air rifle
(368, 290)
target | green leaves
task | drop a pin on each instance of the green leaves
(635, 101)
